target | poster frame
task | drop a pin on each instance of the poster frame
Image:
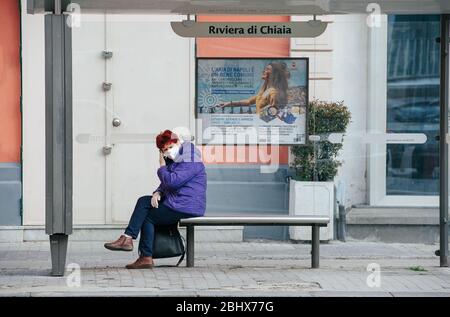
(197, 59)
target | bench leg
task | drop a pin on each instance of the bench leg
(190, 246)
(315, 243)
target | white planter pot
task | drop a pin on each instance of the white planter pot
(311, 199)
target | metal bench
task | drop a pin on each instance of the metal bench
(315, 222)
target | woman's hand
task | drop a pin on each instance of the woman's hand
(162, 162)
(155, 199)
(220, 105)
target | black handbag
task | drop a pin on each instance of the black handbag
(168, 243)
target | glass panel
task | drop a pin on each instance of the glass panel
(413, 104)
(385, 78)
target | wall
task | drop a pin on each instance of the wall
(350, 84)
(237, 186)
(33, 68)
(245, 47)
(10, 135)
(93, 111)
(349, 79)
(338, 61)
(10, 117)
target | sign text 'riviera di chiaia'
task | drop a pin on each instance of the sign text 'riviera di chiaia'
(254, 29)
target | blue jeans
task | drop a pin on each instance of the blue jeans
(144, 219)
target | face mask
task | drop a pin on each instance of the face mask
(172, 153)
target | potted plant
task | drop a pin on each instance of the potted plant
(315, 165)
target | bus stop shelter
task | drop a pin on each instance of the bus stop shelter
(58, 84)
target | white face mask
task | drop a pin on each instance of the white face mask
(172, 153)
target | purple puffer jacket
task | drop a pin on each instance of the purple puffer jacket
(183, 182)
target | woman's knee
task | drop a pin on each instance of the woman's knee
(144, 199)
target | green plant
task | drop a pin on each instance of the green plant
(316, 161)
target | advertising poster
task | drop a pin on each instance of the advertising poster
(252, 101)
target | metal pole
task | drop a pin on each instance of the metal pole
(315, 243)
(190, 246)
(443, 146)
(58, 137)
(57, 4)
(342, 223)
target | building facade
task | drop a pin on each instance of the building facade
(386, 71)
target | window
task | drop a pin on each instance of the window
(413, 103)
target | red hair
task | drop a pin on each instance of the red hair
(165, 138)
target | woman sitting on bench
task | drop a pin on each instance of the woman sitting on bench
(181, 194)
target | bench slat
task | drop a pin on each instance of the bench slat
(256, 220)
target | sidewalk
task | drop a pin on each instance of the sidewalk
(229, 269)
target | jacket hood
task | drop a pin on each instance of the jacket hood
(188, 153)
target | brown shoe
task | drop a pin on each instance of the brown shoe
(122, 244)
(143, 262)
